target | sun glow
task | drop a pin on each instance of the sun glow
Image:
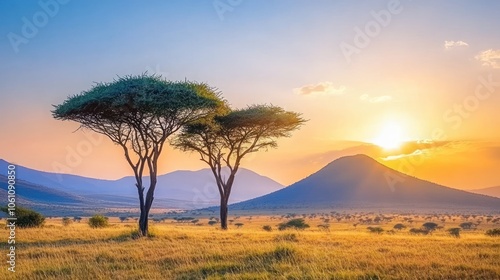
(391, 136)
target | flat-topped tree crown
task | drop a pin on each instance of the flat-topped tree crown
(139, 113)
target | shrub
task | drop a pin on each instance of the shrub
(419, 231)
(467, 225)
(267, 228)
(123, 219)
(399, 226)
(377, 230)
(430, 226)
(212, 222)
(238, 225)
(293, 223)
(455, 232)
(26, 218)
(98, 221)
(493, 232)
(66, 221)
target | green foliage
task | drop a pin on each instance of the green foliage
(399, 226)
(377, 230)
(133, 96)
(430, 226)
(267, 228)
(26, 218)
(98, 221)
(66, 221)
(298, 223)
(455, 232)
(493, 232)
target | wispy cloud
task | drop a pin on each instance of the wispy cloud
(375, 99)
(454, 44)
(325, 88)
(489, 58)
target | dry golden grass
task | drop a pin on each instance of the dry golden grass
(188, 251)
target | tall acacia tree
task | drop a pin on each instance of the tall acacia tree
(224, 140)
(139, 113)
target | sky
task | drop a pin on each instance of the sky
(361, 72)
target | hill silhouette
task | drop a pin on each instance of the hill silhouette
(361, 182)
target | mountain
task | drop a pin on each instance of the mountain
(360, 182)
(492, 191)
(189, 189)
(33, 193)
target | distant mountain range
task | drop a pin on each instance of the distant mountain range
(360, 182)
(178, 189)
(492, 191)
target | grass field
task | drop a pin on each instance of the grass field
(190, 251)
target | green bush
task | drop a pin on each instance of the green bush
(430, 226)
(293, 223)
(267, 228)
(493, 232)
(26, 218)
(399, 226)
(455, 232)
(377, 230)
(98, 221)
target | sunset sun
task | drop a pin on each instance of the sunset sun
(391, 136)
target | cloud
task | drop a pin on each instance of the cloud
(489, 58)
(375, 99)
(454, 44)
(325, 88)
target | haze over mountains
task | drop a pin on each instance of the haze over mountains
(361, 182)
(492, 191)
(178, 189)
(350, 182)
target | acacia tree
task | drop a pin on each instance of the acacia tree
(223, 140)
(139, 113)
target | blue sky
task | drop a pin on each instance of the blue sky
(256, 52)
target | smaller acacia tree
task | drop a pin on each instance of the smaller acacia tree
(225, 138)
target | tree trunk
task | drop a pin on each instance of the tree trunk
(143, 219)
(223, 213)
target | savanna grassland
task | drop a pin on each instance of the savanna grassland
(196, 250)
